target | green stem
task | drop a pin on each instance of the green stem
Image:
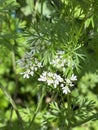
(38, 107)
(69, 111)
(13, 61)
(42, 8)
(12, 103)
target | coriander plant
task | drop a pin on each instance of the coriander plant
(56, 42)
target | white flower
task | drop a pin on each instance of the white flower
(35, 68)
(39, 64)
(68, 81)
(26, 74)
(50, 81)
(59, 62)
(32, 68)
(50, 74)
(71, 85)
(55, 85)
(56, 82)
(28, 62)
(66, 90)
(42, 78)
(73, 77)
(62, 85)
(44, 73)
(51, 78)
(31, 73)
(58, 77)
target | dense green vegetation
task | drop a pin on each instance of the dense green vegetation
(48, 64)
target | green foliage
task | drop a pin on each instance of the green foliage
(58, 38)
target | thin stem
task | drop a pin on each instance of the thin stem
(13, 61)
(10, 119)
(42, 8)
(12, 103)
(38, 107)
(69, 111)
(14, 70)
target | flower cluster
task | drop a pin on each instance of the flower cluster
(51, 78)
(60, 62)
(68, 83)
(29, 64)
(57, 81)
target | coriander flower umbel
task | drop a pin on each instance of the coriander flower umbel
(61, 62)
(58, 60)
(30, 69)
(57, 81)
(29, 64)
(51, 78)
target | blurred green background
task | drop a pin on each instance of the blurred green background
(15, 18)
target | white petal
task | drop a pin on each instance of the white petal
(31, 73)
(62, 85)
(25, 76)
(73, 77)
(66, 90)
